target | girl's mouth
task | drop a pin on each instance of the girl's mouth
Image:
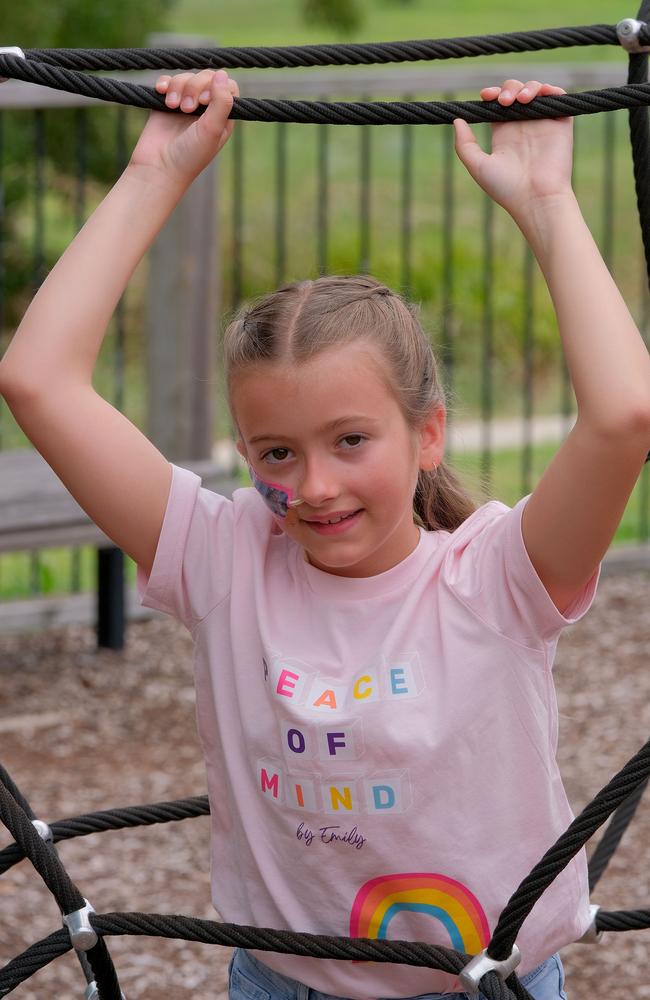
(338, 528)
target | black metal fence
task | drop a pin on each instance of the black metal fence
(296, 201)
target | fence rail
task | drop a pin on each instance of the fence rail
(290, 202)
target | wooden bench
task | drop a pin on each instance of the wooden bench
(38, 512)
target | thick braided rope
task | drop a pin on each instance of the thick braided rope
(268, 57)
(41, 855)
(114, 819)
(15, 792)
(45, 951)
(262, 939)
(623, 784)
(39, 955)
(633, 774)
(103, 971)
(339, 113)
(613, 835)
(623, 920)
(32, 960)
(48, 865)
(640, 138)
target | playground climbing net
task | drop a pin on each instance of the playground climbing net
(84, 930)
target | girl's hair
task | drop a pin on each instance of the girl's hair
(300, 320)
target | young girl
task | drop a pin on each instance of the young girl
(373, 654)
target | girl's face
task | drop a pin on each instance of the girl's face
(332, 432)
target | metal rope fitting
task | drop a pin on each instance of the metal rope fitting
(628, 31)
(592, 935)
(92, 992)
(481, 964)
(10, 50)
(82, 933)
(43, 830)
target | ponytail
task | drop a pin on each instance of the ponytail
(441, 501)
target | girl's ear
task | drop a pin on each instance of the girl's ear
(432, 439)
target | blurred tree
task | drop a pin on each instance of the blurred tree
(78, 23)
(345, 16)
(65, 24)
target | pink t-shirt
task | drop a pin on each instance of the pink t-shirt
(380, 751)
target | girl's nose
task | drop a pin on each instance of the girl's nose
(316, 486)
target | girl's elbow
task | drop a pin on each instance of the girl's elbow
(629, 427)
(632, 429)
(8, 382)
(638, 421)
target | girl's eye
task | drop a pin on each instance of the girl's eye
(355, 438)
(277, 455)
(274, 451)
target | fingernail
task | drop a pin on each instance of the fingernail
(524, 91)
(204, 95)
(163, 83)
(172, 98)
(506, 94)
(188, 103)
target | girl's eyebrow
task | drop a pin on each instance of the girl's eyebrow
(332, 425)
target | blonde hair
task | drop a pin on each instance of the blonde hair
(300, 320)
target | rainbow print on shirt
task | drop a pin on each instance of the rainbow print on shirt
(439, 896)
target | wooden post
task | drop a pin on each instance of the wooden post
(182, 313)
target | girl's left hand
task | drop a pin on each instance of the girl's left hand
(530, 161)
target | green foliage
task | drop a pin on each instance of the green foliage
(79, 24)
(344, 16)
(66, 24)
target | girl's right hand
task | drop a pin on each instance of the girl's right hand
(181, 145)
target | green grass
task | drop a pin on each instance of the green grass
(506, 484)
(262, 22)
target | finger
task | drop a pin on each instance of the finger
(205, 87)
(547, 89)
(175, 89)
(162, 82)
(529, 91)
(467, 148)
(219, 108)
(509, 91)
(233, 87)
(197, 89)
(489, 93)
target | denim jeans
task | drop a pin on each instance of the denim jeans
(249, 979)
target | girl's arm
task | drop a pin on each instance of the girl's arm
(119, 478)
(572, 515)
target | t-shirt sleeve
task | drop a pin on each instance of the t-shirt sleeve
(489, 570)
(192, 568)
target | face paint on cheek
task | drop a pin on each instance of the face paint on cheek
(279, 499)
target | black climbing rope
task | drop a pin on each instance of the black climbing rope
(61, 68)
(337, 113)
(275, 57)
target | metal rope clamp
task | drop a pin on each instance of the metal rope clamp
(628, 31)
(592, 935)
(82, 933)
(10, 50)
(43, 830)
(481, 964)
(92, 992)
